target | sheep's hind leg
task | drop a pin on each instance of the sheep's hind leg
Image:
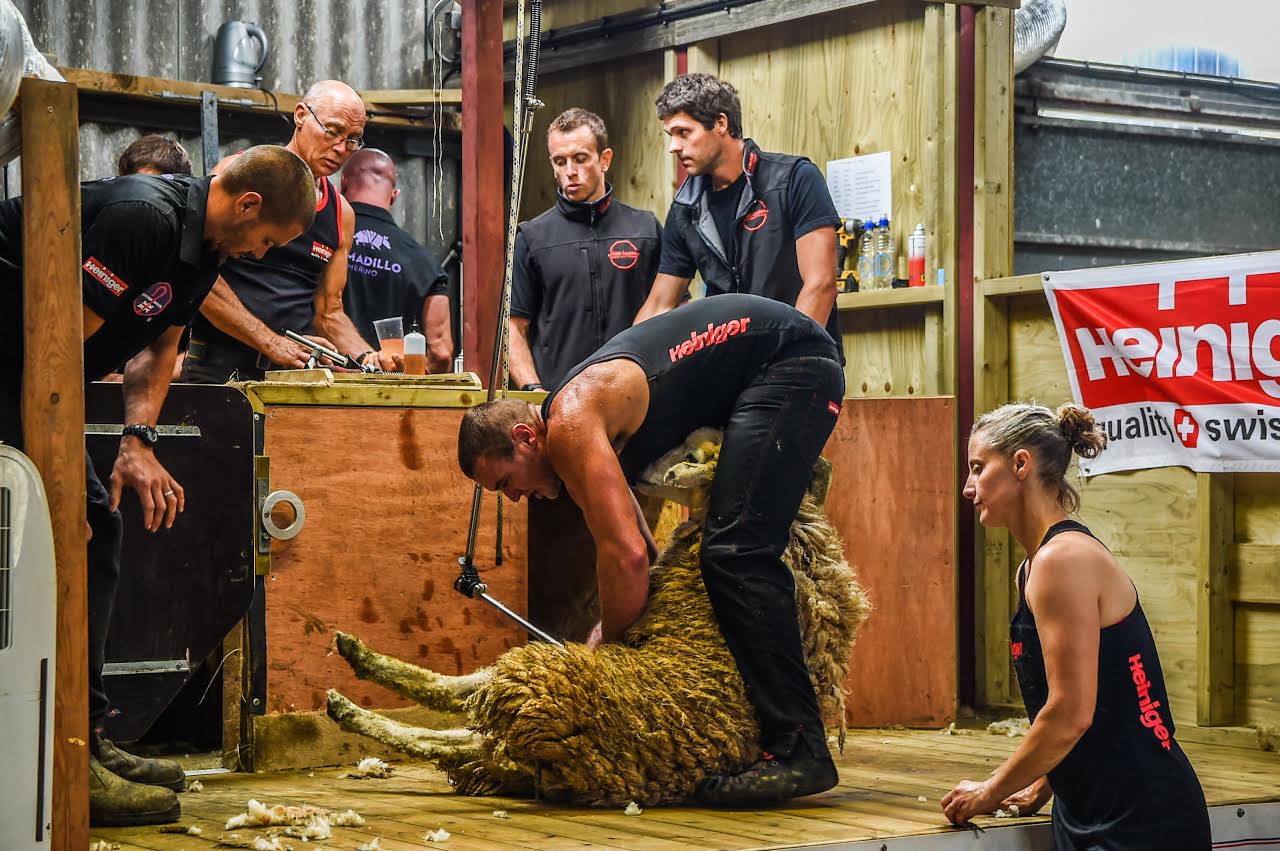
(416, 741)
(432, 690)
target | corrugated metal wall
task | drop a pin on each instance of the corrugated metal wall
(367, 43)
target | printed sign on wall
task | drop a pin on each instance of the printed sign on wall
(1179, 361)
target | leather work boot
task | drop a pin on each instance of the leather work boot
(136, 769)
(115, 802)
(769, 781)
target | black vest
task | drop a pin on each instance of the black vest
(698, 359)
(593, 263)
(280, 289)
(1125, 784)
(765, 237)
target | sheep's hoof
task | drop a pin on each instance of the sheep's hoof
(338, 707)
(348, 645)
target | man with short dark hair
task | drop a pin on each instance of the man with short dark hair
(389, 273)
(296, 287)
(582, 268)
(747, 220)
(151, 248)
(770, 377)
(154, 154)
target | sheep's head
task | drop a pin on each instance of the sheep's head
(684, 474)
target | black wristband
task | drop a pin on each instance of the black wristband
(529, 388)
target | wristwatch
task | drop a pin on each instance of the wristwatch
(145, 433)
(533, 386)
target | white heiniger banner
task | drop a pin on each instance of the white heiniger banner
(1179, 362)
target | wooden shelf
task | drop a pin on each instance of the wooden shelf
(903, 297)
(105, 84)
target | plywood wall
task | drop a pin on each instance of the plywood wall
(1148, 519)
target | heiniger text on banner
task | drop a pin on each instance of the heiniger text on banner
(1179, 361)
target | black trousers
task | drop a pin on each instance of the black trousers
(104, 549)
(775, 433)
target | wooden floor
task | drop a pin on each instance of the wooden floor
(883, 774)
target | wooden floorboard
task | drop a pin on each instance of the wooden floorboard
(883, 773)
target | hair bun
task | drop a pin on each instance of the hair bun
(1081, 430)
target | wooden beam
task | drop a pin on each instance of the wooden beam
(53, 417)
(409, 97)
(484, 190)
(1215, 618)
(660, 28)
(91, 83)
(1254, 573)
(992, 546)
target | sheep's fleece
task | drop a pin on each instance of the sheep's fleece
(643, 720)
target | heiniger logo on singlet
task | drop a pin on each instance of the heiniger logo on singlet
(713, 336)
(1147, 707)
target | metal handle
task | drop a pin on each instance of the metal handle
(269, 504)
(256, 32)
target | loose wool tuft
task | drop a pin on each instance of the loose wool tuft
(643, 720)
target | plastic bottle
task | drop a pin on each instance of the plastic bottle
(867, 258)
(415, 352)
(915, 257)
(886, 255)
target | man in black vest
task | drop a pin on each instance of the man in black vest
(151, 248)
(770, 377)
(582, 268)
(389, 273)
(747, 220)
(295, 287)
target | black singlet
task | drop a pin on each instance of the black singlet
(1126, 784)
(698, 359)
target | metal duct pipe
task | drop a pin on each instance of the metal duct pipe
(19, 58)
(1037, 26)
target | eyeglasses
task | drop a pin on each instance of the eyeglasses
(353, 143)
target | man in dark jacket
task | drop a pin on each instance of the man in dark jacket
(150, 248)
(747, 220)
(582, 268)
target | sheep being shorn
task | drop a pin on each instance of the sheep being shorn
(643, 720)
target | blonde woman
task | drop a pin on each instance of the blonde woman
(1101, 740)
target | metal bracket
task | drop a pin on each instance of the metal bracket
(162, 430)
(155, 666)
(269, 504)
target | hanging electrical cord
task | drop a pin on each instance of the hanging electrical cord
(525, 104)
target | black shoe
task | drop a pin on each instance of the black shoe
(769, 781)
(136, 769)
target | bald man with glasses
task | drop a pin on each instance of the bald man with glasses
(294, 287)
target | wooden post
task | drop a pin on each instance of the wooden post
(53, 417)
(1215, 618)
(484, 193)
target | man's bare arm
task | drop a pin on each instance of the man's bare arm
(331, 318)
(584, 459)
(816, 257)
(522, 369)
(223, 308)
(664, 295)
(146, 383)
(435, 319)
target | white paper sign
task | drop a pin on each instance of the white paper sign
(861, 186)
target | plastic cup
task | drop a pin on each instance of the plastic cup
(390, 334)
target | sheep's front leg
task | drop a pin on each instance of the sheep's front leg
(434, 691)
(415, 741)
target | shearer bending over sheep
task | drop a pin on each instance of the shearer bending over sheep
(770, 377)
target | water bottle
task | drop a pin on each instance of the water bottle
(867, 258)
(915, 257)
(415, 352)
(886, 256)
